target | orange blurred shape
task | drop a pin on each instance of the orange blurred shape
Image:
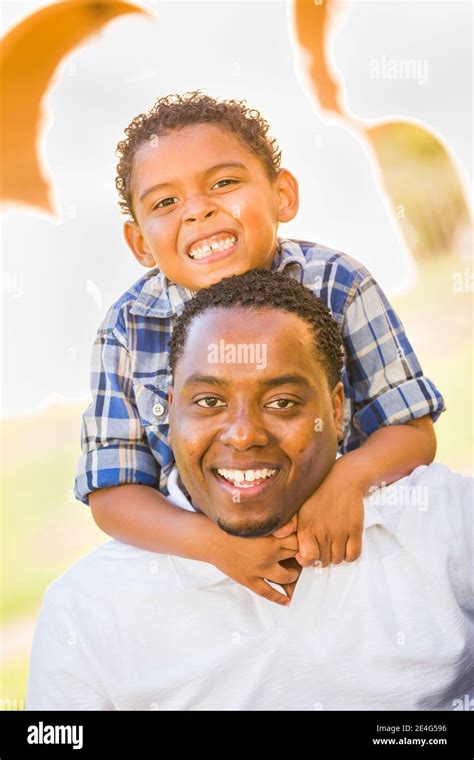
(312, 21)
(30, 53)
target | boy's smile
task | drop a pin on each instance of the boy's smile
(245, 440)
(205, 207)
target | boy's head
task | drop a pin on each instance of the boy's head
(201, 182)
(253, 439)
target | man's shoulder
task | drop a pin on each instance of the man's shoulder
(432, 505)
(107, 572)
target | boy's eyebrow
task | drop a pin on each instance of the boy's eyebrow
(211, 170)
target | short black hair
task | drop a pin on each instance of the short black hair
(176, 111)
(261, 289)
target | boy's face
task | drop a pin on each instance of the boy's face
(205, 207)
(252, 441)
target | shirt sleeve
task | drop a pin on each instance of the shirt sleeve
(387, 383)
(61, 676)
(114, 444)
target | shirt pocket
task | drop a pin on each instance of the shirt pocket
(152, 402)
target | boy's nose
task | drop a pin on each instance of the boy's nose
(199, 211)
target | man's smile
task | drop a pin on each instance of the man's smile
(248, 482)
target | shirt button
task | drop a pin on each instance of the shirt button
(158, 409)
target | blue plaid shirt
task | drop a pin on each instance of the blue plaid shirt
(125, 429)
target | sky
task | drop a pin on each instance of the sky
(60, 276)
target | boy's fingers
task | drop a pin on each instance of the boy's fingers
(279, 574)
(324, 551)
(286, 553)
(338, 551)
(264, 589)
(287, 529)
(290, 542)
(353, 549)
(309, 549)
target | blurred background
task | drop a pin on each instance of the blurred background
(405, 69)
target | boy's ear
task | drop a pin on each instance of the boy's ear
(136, 243)
(286, 186)
(338, 410)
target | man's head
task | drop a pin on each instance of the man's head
(257, 401)
(201, 182)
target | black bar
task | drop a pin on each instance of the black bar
(313, 733)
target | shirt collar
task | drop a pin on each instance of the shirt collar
(195, 574)
(159, 297)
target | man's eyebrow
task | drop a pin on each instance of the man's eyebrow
(271, 382)
(197, 378)
(211, 170)
(286, 380)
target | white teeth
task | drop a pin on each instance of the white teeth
(205, 249)
(245, 478)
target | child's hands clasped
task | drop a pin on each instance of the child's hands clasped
(253, 562)
(327, 529)
(330, 522)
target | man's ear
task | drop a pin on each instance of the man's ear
(286, 187)
(337, 398)
(137, 244)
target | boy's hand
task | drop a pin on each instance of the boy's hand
(254, 561)
(330, 522)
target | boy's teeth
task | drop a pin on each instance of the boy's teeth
(245, 478)
(205, 249)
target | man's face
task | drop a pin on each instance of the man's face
(252, 443)
(205, 207)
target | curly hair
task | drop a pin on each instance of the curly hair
(176, 111)
(261, 289)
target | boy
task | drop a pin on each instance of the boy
(202, 184)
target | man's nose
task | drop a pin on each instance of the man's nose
(244, 429)
(198, 209)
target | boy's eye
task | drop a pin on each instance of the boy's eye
(281, 403)
(227, 181)
(210, 402)
(164, 203)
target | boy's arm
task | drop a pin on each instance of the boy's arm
(391, 432)
(391, 453)
(143, 517)
(330, 522)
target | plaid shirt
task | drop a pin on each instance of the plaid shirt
(125, 429)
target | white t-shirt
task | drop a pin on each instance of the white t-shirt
(126, 629)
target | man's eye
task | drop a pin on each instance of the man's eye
(227, 181)
(164, 203)
(281, 403)
(210, 402)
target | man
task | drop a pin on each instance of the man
(129, 629)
